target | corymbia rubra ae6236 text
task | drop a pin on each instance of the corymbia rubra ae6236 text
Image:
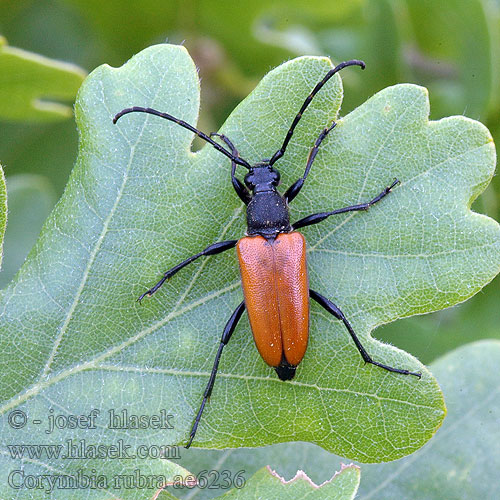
(272, 256)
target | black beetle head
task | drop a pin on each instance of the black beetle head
(262, 177)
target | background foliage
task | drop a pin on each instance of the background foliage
(450, 47)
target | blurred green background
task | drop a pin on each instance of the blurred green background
(451, 47)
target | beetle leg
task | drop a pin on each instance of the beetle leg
(238, 186)
(335, 311)
(226, 335)
(213, 249)
(319, 217)
(294, 189)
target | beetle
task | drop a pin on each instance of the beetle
(272, 255)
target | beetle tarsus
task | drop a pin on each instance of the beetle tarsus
(214, 249)
(330, 307)
(148, 293)
(395, 182)
(226, 335)
(392, 369)
(321, 216)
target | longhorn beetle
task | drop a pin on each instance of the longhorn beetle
(272, 255)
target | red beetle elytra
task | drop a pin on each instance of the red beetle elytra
(272, 256)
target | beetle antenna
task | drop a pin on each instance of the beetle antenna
(281, 151)
(182, 123)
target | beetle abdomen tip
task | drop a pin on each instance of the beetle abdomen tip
(285, 371)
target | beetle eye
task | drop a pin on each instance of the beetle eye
(276, 178)
(249, 180)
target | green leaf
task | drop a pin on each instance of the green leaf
(267, 484)
(31, 84)
(31, 198)
(139, 201)
(460, 462)
(434, 335)
(463, 459)
(3, 212)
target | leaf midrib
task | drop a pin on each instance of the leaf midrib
(257, 378)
